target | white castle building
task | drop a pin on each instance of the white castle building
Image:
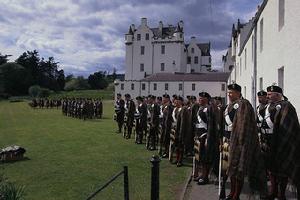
(158, 61)
(266, 51)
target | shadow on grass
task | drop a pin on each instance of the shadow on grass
(14, 161)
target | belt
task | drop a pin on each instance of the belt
(200, 126)
(266, 131)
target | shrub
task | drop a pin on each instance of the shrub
(34, 91)
(10, 191)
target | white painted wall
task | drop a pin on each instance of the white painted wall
(281, 48)
(213, 88)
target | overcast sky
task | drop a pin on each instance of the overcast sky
(86, 36)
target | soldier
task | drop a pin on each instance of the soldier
(141, 124)
(189, 138)
(260, 111)
(154, 122)
(160, 143)
(129, 113)
(206, 138)
(120, 112)
(280, 142)
(244, 154)
(166, 125)
(182, 127)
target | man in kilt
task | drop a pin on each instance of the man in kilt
(244, 152)
(141, 119)
(206, 142)
(129, 114)
(166, 125)
(119, 112)
(280, 142)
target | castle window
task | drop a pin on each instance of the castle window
(122, 86)
(138, 37)
(281, 14)
(154, 86)
(132, 86)
(162, 67)
(193, 87)
(163, 47)
(180, 87)
(142, 50)
(189, 60)
(166, 86)
(147, 36)
(196, 59)
(143, 86)
(193, 50)
(223, 87)
(142, 67)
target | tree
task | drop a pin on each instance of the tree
(79, 83)
(16, 79)
(30, 61)
(98, 80)
(3, 58)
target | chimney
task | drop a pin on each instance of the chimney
(132, 27)
(181, 24)
(193, 39)
(160, 27)
(144, 21)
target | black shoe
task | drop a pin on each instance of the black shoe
(202, 181)
(229, 197)
(164, 155)
(179, 164)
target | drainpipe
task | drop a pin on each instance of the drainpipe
(255, 67)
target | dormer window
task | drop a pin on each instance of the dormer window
(138, 37)
(193, 50)
(147, 36)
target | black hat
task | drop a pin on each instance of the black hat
(274, 88)
(166, 96)
(179, 98)
(218, 98)
(174, 96)
(188, 97)
(152, 97)
(127, 95)
(204, 94)
(119, 95)
(193, 98)
(139, 98)
(159, 98)
(235, 87)
(262, 93)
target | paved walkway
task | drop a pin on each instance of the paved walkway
(210, 192)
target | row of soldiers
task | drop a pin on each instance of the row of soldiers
(82, 108)
(232, 141)
(45, 103)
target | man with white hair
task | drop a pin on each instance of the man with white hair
(282, 142)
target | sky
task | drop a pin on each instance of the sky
(86, 36)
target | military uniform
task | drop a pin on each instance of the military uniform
(281, 144)
(129, 114)
(244, 157)
(141, 121)
(182, 127)
(154, 125)
(166, 127)
(120, 113)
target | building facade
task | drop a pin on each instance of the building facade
(266, 50)
(152, 54)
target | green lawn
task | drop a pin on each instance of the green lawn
(70, 158)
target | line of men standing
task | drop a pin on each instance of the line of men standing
(232, 141)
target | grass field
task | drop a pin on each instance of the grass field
(70, 158)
